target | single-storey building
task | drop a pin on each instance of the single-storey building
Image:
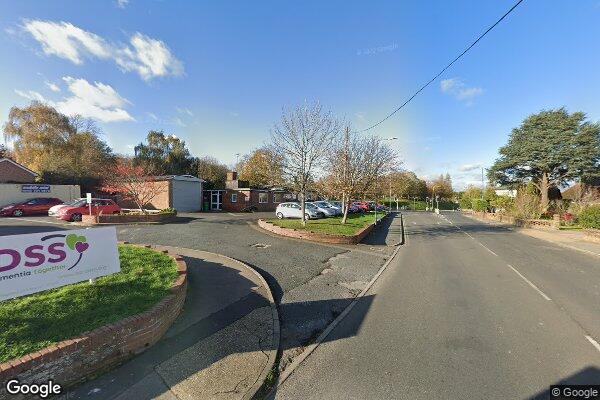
(13, 172)
(239, 196)
(181, 192)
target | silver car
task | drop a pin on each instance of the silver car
(326, 208)
(294, 210)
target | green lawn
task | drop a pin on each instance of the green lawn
(331, 226)
(31, 323)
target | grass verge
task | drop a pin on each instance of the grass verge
(330, 226)
(31, 323)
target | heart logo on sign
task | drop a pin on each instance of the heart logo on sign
(73, 239)
(81, 247)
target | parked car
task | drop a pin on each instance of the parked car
(39, 205)
(294, 210)
(351, 208)
(53, 211)
(362, 205)
(327, 209)
(98, 206)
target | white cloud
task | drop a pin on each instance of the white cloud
(122, 3)
(469, 167)
(148, 57)
(152, 116)
(98, 101)
(52, 86)
(184, 111)
(67, 41)
(457, 88)
(177, 121)
(30, 95)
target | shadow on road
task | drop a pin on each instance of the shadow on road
(194, 326)
(587, 376)
(386, 232)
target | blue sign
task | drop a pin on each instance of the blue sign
(35, 188)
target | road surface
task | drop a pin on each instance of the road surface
(466, 310)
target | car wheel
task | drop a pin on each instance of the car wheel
(279, 215)
(17, 213)
(76, 217)
(306, 216)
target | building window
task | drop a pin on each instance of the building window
(277, 197)
(234, 197)
(263, 197)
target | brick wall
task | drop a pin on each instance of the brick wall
(11, 173)
(71, 361)
(161, 201)
(247, 198)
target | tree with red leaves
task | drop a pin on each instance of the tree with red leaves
(133, 182)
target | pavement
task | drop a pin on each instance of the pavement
(222, 346)
(465, 310)
(573, 239)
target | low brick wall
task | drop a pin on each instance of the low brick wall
(544, 224)
(72, 361)
(592, 235)
(124, 218)
(317, 237)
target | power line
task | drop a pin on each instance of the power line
(443, 70)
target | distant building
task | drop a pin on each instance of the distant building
(506, 192)
(239, 196)
(13, 172)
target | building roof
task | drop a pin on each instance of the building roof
(18, 165)
(187, 178)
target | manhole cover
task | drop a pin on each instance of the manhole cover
(260, 245)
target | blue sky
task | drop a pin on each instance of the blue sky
(217, 74)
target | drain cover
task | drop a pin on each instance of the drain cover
(260, 245)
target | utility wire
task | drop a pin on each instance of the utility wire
(443, 70)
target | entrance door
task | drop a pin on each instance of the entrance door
(216, 200)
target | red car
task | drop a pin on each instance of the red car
(362, 205)
(39, 205)
(99, 206)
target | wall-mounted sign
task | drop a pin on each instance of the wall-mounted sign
(35, 188)
(41, 261)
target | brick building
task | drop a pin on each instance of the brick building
(13, 172)
(181, 192)
(239, 196)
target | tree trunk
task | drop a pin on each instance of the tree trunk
(544, 186)
(303, 206)
(345, 217)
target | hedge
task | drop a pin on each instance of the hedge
(590, 217)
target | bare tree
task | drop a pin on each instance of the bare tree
(356, 162)
(303, 138)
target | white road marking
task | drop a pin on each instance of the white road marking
(235, 215)
(36, 220)
(593, 342)
(529, 283)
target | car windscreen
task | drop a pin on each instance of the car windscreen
(310, 205)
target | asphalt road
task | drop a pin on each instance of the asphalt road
(465, 311)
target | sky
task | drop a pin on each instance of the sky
(219, 74)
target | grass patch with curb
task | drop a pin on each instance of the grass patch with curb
(34, 322)
(330, 226)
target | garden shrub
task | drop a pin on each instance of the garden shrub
(479, 205)
(590, 217)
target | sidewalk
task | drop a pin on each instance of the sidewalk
(571, 239)
(222, 346)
